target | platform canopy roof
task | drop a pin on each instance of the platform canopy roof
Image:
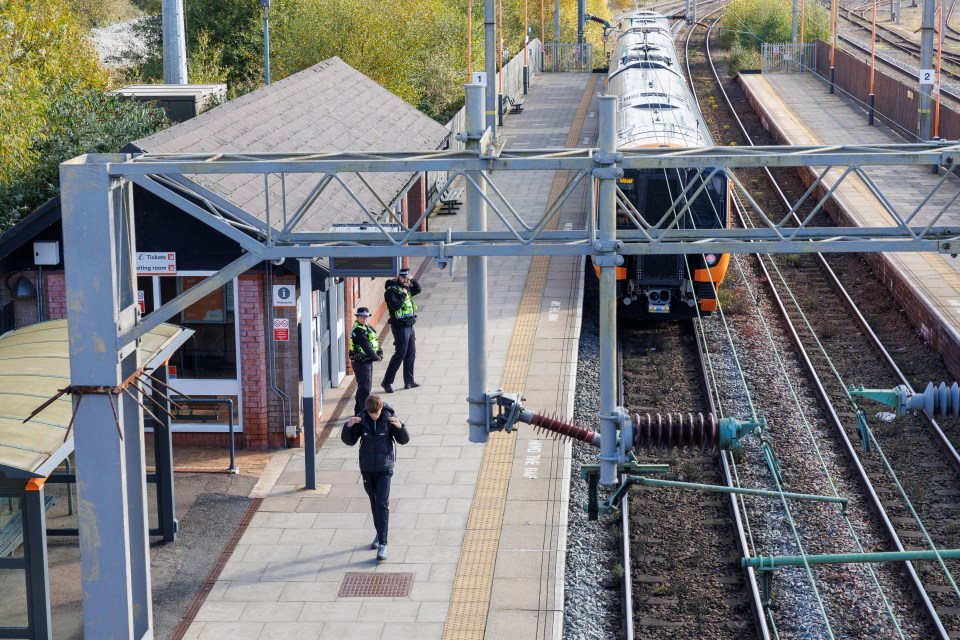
(34, 366)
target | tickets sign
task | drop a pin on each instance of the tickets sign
(156, 263)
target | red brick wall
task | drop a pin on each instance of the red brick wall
(55, 296)
(253, 361)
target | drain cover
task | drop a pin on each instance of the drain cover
(375, 585)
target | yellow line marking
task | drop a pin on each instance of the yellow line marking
(470, 599)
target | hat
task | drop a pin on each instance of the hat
(405, 272)
(363, 312)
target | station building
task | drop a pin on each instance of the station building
(237, 350)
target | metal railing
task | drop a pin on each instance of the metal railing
(569, 56)
(787, 57)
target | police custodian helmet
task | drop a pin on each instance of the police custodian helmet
(405, 272)
(363, 312)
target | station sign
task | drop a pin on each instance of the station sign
(364, 266)
(281, 329)
(480, 77)
(284, 295)
(928, 76)
(141, 302)
(156, 263)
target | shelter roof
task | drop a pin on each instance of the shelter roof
(329, 107)
(34, 365)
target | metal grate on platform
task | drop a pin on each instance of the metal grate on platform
(375, 585)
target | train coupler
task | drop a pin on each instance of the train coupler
(939, 401)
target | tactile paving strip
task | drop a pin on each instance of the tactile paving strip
(368, 584)
(470, 599)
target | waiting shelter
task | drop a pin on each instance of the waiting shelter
(35, 368)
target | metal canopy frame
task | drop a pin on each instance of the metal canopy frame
(98, 228)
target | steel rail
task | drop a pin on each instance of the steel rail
(756, 602)
(821, 392)
(627, 586)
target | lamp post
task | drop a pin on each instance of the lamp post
(266, 40)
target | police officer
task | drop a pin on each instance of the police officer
(403, 314)
(364, 351)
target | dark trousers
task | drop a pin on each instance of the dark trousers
(364, 373)
(405, 351)
(377, 486)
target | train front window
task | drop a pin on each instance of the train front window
(653, 194)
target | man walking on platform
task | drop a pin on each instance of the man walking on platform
(364, 351)
(403, 314)
(377, 428)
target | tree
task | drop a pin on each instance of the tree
(748, 23)
(52, 103)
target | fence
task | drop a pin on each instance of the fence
(895, 103)
(787, 57)
(569, 56)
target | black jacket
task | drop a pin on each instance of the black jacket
(376, 440)
(395, 301)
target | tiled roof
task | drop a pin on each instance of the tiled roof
(329, 107)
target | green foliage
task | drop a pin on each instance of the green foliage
(742, 58)
(52, 105)
(205, 66)
(752, 22)
(99, 13)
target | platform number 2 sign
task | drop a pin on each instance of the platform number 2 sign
(928, 76)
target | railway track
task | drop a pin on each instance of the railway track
(915, 451)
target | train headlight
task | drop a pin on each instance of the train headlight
(711, 259)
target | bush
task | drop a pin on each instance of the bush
(752, 22)
(741, 58)
(99, 13)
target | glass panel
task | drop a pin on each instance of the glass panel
(13, 604)
(211, 351)
(11, 528)
(205, 413)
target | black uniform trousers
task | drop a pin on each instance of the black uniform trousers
(377, 486)
(404, 351)
(364, 373)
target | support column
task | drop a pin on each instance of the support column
(163, 461)
(174, 43)
(490, 52)
(38, 575)
(137, 490)
(926, 62)
(306, 352)
(556, 35)
(93, 208)
(581, 10)
(476, 212)
(608, 261)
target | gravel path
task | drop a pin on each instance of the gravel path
(115, 41)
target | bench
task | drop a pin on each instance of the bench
(516, 106)
(450, 201)
(11, 534)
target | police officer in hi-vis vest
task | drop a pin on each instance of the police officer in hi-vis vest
(364, 351)
(403, 314)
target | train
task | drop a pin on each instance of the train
(655, 108)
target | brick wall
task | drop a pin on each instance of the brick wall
(55, 296)
(253, 358)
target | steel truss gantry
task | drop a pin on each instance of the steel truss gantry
(104, 323)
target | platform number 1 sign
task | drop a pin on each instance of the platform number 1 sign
(928, 76)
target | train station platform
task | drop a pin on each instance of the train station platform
(477, 532)
(799, 110)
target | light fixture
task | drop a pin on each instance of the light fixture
(24, 289)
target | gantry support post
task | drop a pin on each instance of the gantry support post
(490, 50)
(606, 174)
(114, 572)
(925, 132)
(581, 13)
(306, 352)
(476, 214)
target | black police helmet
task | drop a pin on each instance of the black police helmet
(363, 312)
